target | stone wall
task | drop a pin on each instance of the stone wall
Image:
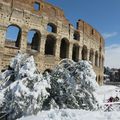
(48, 47)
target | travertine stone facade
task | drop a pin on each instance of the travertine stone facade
(54, 37)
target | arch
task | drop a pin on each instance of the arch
(33, 39)
(51, 28)
(50, 45)
(76, 35)
(99, 80)
(64, 48)
(75, 53)
(48, 71)
(96, 58)
(100, 61)
(96, 79)
(36, 6)
(84, 52)
(91, 55)
(13, 35)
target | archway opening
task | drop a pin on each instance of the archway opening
(100, 61)
(96, 58)
(33, 40)
(64, 48)
(99, 80)
(84, 53)
(51, 28)
(36, 6)
(50, 45)
(13, 36)
(48, 71)
(91, 55)
(76, 35)
(75, 53)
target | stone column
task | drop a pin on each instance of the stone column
(42, 45)
(57, 51)
(3, 30)
(80, 53)
(1, 56)
(88, 54)
(23, 41)
(98, 61)
(70, 51)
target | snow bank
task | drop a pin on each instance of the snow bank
(68, 114)
(106, 91)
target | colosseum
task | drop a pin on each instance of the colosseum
(53, 36)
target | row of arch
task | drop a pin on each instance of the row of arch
(34, 41)
(16, 30)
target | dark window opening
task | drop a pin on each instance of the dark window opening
(91, 55)
(64, 49)
(100, 61)
(50, 45)
(75, 54)
(51, 28)
(48, 71)
(33, 40)
(36, 6)
(13, 36)
(76, 36)
(92, 31)
(99, 80)
(96, 79)
(96, 58)
(84, 53)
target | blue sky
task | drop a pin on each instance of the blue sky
(104, 16)
(101, 14)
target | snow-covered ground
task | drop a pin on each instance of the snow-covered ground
(70, 114)
(103, 93)
(106, 91)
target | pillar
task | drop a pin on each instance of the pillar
(3, 30)
(2, 43)
(42, 45)
(70, 51)
(57, 51)
(23, 41)
(80, 53)
(94, 59)
(88, 54)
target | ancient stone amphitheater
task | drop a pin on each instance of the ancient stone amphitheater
(52, 36)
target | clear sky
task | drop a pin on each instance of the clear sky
(103, 15)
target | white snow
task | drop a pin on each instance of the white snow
(69, 114)
(1, 98)
(106, 91)
(102, 94)
(60, 81)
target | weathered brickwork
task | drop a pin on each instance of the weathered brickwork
(48, 47)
